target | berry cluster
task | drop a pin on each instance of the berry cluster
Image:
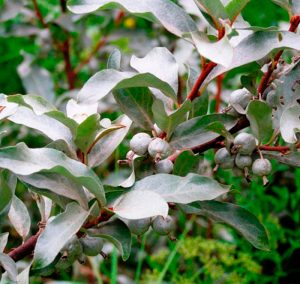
(142, 144)
(242, 156)
(160, 225)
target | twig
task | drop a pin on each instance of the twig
(71, 76)
(219, 92)
(39, 14)
(97, 47)
(264, 83)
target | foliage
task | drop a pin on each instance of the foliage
(64, 141)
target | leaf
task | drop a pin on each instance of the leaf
(45, 206)
(194, 131)
(215, 9)
(168, 122)
(200, 105)
(284, 4)
(140, 204)
(255, 47)
(234, 8)
(9, 266)
(135, 165)
(36, 80)
(161, 63)
(106, 81)
(177, 189)
(237, 217)
(50, 127)
(19, 217)
(57, 233)
(86, 132)
(108, 144)
(295, 7)
(58, 184)
(290, 124)
(114, 59)
(185, 163)
(291, 159)
(3, 241)
(117, 233)
(7, 190)
(22, 160)
(23, 277)
(171, 16)
(259, 114)
(136, 103)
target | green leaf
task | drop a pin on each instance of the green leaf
(177, 189)
(185, 163)
(136, 103)
(140, 204)
(171, 16)
(22, 160)
(255, 47)
(290, 124)
(86, 132)
(234, 8)
(159, 62)
(194, 131)
(106, 81)
(285, 4)
(57, 233)
(168, 122)
(259, 114)
(108, 144)
(57, 184)
(9, 266)
(117, 233)
(7, 191)
(215, 9)
(200, 105)
(114, 60)
(3, 241)
(237, 217)
(19, 217)
(291, 159)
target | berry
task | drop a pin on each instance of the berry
(243, 161)
(261, 167)
(139, 143)
(164, 166)
(140, 226)
(240, 97)
(224, 159)
(159, 148)
(245, 143)
(163, 226)
(91, 246)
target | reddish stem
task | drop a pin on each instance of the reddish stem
(264, 83)
(219, 92)
(39, 14)
(97, 47)
(71, 76)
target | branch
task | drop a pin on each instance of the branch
(71, 76)
(39, 14)
(97, 47)
(264, 83)
(219, 92)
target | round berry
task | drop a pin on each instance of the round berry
(261, 167)
(139, 143)
(159, 148)
(140, 226)
(164, 166)
(163, 226)
(243, 161)
(240, 97)
(91, 246)
(245, 143)
(224, 159)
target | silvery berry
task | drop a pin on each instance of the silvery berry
(245, 143)
(139, 143)
(261, 167)
(140, 226)
(91, 246)
(224, 159)
(158, 148)
(163, 226)
(243, 161)
(240, 97)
